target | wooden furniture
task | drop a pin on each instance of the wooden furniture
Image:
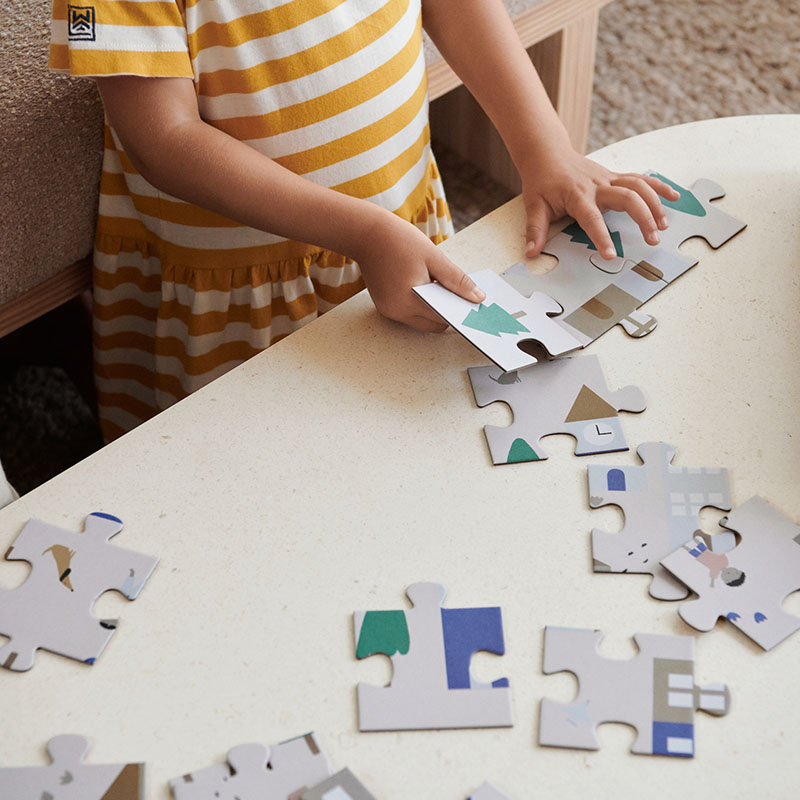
(329, 472)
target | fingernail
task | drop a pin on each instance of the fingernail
(663, 223)
(652, 237)
(609, 252)
(478, 294)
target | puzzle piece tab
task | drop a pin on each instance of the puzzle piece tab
(68, 778)
(431, 648)
(488, 792)
(52, 608)
(748, 584)
(661, 504)
(567, 395)
(654, 692)
(283, 771)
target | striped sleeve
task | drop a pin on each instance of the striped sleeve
(91, 38)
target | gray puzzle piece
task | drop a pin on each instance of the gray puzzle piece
(488, 792)
(69, 571)
(341, 786)
(748, 584)
(567, 395)
(255, 772)
(68, 778)
(654, 692)
(430, 648)
(661, 503)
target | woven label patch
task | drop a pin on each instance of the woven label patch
(80, 23)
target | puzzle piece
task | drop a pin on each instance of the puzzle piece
(430, 648)
(341, 786)
(68, 778)
(597, 294)
(487, 792)
(654, 692)
(52, 609)
(505, 323)
(568, 395)
(661, 504)
(748, 584)
(254, 772)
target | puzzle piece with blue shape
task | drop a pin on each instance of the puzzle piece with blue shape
(567, 395)
(661, 503)
(51, 610)
(430, 648)
(747, 584)
(654, 692)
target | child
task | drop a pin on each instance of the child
(270, 170)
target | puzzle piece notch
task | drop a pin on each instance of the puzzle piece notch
(568, 395)
(486, 791)
(431, 685)
(748, 584)
(654, 692)
(51, 610)
(661, 504)
(67, 777)
(341, 786)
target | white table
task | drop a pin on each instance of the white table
(347, 462)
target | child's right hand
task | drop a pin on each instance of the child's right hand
(394, 256)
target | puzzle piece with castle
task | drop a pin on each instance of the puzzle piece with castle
(654, 692)
(567, 395)
(430, 648)
(748, 584)
(51, 610)
(661, 503)
(68, 778)
(584, 295)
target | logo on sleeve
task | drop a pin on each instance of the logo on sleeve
(80, 23)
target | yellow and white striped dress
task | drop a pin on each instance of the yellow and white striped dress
(334, 90)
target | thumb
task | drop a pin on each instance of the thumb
(455, 279)
(536, 227)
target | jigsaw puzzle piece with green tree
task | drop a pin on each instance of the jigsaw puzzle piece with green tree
(654, 692)
(430, 648)
(69, 778)
(661, 503)
(51, 610)
(567, 395)
(747, 584)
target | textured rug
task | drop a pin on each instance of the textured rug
(659, 63)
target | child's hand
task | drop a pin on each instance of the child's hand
(573, 185)
(393, 257)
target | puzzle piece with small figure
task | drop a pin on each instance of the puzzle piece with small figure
(341, 786)
(568, 395)
(488, 792)
(69, 778)
(51, 610)
(255, 772)
(597, 294)
(661, 503)
(430, 648)
(654, 692)
(747, 584)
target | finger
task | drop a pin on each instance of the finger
(638, 184)
(662, 188)
(618, 198)
(589, 217)
(455, 279)
(536, 227)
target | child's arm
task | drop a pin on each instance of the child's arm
(477, 38)
(158, 123)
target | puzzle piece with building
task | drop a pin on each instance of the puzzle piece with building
(488, 792)
(748, 584)
(281, 771)
(661, 503)
(51, 610)
(67, 777)
(430, 648)
(654, 692)
(567, 395)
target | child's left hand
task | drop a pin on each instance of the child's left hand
(570, 184)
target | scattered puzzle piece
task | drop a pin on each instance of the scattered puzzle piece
(568, 395)
(281, 772)
(52, 609)
(661, 504)
(487, 792)
(341, 786)
(747, 584)
(430, 648)
(597, 294)
(68, 778)
(654, 692)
